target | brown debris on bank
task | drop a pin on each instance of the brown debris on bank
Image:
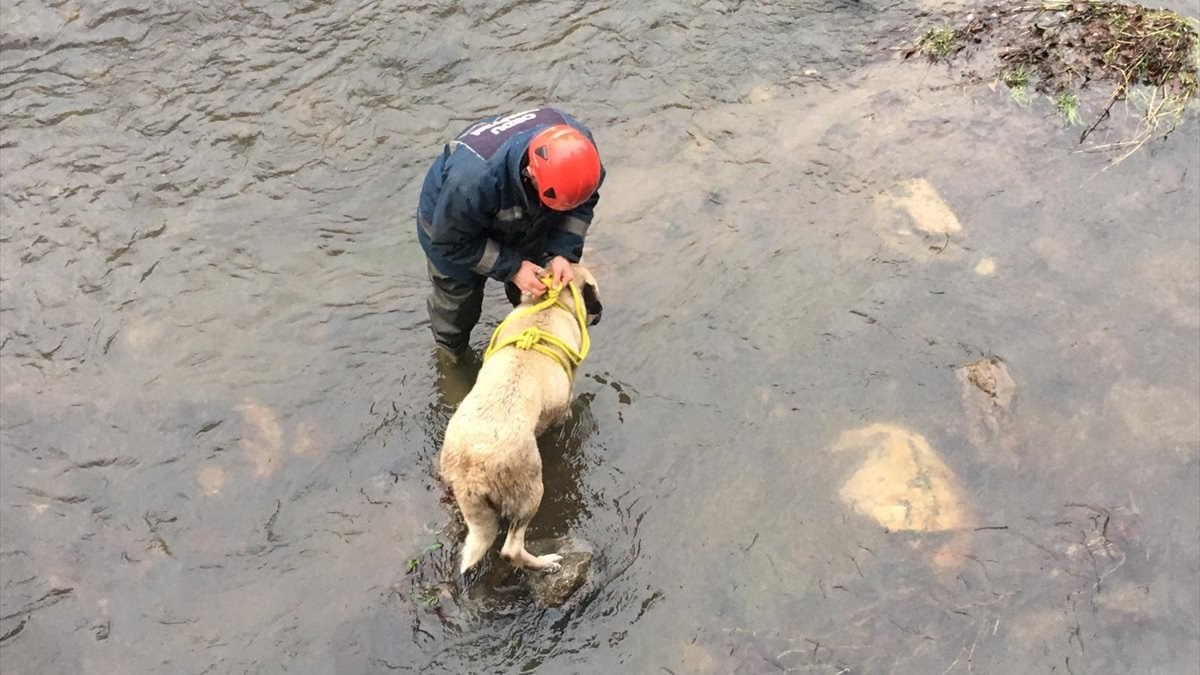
(1059, 47)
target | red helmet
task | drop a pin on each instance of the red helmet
(564, 165)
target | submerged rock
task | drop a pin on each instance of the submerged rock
(552, 590)
(905, 486)
(991, 377)
(1131, 599)
(915, 220)
(986, 268)
(1160, 418)
(211, 479)
(987, 395)
(1171, 280)
(262, 438)
(265, 443)
(903, 483)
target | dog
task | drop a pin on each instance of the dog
(489, 456)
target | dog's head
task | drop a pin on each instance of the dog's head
(590, 292)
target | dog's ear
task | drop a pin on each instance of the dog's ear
(591, 293)
(591, 303)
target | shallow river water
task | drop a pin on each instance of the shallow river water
(221, 409)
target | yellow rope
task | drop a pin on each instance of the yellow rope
(541, 341)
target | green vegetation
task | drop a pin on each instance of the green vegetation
(1150, 57)
(939, 43)
(422, 585)
(1017, 79)
(1068, 106)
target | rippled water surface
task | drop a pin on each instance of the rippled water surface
(221, 410)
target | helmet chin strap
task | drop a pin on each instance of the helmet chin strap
(530, 184)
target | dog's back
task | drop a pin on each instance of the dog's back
(490, 449)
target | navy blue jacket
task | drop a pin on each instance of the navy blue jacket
(476, 216)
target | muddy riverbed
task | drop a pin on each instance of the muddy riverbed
(221, 408)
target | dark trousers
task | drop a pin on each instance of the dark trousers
(455, 307)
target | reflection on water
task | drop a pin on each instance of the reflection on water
(221, 414)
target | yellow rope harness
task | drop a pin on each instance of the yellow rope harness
(542, 341)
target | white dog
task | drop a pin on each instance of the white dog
(490, 455)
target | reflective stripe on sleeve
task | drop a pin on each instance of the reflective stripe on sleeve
(491, 253)
(575, 226)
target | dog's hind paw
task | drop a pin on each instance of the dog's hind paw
(550, 563)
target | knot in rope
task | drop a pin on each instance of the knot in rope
(528, 338)
(542, 341)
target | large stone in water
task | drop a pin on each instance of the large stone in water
(987, 396)
(905, 486)
(552, 590)
(991, 377)
(903, 483)
(916, 221)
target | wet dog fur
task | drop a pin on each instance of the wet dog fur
(490, 456)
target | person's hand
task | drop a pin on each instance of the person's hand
(560, 272)
(527, 279)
